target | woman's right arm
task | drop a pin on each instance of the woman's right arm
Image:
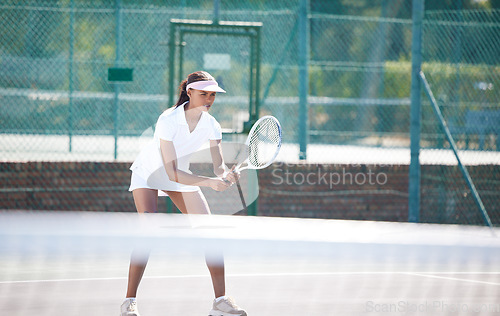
(169, 158)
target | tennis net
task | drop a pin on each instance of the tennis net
(76, 263)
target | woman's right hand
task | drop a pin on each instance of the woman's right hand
(219, 184)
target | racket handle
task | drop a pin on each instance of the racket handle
(241, 196)
(237, 168)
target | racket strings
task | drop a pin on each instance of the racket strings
(264, 143)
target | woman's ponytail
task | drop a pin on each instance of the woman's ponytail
(183, 96)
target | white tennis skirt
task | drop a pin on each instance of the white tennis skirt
(137, 182)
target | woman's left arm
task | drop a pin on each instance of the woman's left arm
(220, 168)
(218, 161)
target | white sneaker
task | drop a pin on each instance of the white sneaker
(129, 308)
(226, 307)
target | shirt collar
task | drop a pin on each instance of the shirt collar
(181, 116)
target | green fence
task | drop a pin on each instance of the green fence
(56, 103)
(55, 58)
(462, 64)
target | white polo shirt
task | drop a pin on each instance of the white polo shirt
(172, 126)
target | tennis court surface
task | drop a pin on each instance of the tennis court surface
(63, 263)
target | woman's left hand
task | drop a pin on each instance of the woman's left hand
(232, 175)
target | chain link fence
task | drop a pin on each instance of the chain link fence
(57, 104)
(462, 64)
(55, 56)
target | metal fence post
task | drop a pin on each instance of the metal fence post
(303, 76)
(216, 11)
(416, 112)
(70, 73)
(453, 146)
(171, 64)
(117, 64)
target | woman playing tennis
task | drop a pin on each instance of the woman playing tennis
(181, 131)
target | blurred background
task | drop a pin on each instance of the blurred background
(337, 74)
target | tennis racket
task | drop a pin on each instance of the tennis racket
(262, 147)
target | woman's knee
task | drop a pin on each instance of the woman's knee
(190, 202)
(146, 200)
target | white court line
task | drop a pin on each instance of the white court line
(269, 275)
(449, 278)
(102, 279)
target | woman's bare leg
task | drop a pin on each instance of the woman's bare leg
(195, 203)
(146, 201)
(215, 264)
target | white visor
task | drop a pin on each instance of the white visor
(205, 85)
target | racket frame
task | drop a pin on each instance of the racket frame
(247, 143)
